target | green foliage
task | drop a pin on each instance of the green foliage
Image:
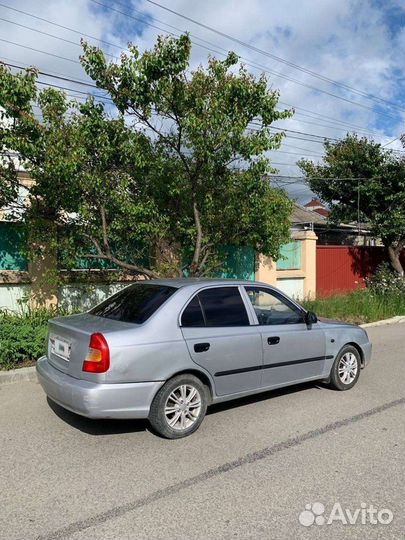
(145, 184)
(373, 188)
(22, 337)
(385, 282)
(200, 123)
(360, 306)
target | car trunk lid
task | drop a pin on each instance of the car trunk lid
(69, 338)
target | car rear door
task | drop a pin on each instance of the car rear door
(217, 327)
(292, 351)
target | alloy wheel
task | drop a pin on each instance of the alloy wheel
(348, 367)
(183, 407)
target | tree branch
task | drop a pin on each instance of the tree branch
(109, 257)
(174, 147)
(198, 240)
(104, 230)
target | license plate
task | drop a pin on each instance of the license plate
(60, 347)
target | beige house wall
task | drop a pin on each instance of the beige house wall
(267, 269)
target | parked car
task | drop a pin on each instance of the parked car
(167, 349)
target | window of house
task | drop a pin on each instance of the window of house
(290, 256)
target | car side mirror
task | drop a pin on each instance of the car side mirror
(310, 318)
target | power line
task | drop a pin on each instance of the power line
(39, 51)
(278, 163)
(291, 134)
(388, 143)
(109, 99)
(122, 48)
(255, 66)
(274, 57)
(50, 35)
(326, 117)
(82, 34)
(57, 37)
(70, 60)
(53, 74)
(340, 123)
(297, 147)
(44, 83)
(299, 179)
(340, 128)
(296, 132)
(297, 153)
(252, 123)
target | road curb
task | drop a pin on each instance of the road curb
(392, 320)
(18, 375)
(28, 373)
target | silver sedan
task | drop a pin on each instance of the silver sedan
(167, 349)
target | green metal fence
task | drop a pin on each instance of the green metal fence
(12, 244)
(240, 263)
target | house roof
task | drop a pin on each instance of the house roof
(314, 202)
(301, 215)
(321, 211)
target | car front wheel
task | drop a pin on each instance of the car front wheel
(179, 407)
(346, 369)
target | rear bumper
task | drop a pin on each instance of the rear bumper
(122, 400)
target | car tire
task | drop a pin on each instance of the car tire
(179, 407)
(346, 369)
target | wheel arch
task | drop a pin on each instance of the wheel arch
(204, 378)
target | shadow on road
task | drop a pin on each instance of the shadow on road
(96, 426)
(116, 427)
(263, 396)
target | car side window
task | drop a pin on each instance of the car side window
(272, 309)
(216, 307)
(193, 315)
(223, 306)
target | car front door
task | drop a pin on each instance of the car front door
(292, 351)
(218, 328)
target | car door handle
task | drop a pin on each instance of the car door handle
(273, 340)
(201, 347)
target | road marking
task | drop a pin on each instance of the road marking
(252, 457)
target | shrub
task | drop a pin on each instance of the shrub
(22, 337)
(386, 282)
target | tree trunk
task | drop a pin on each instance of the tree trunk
(394, 255)
(195, 263)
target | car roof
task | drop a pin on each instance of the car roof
(196, 282)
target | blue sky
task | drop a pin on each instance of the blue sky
(359, 43)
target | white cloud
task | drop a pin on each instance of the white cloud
(357, 43)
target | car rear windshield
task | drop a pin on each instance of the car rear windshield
(134, 304)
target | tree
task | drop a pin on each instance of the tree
(360, 180)
(201, 124)
(85, 169)
(159, 196)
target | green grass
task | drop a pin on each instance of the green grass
(360, 306)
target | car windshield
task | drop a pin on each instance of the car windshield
(134, 304)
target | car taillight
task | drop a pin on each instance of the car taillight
(98, 356)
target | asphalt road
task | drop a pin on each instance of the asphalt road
(247, 473)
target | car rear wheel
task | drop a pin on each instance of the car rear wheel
(179, 407)
(346, 369)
